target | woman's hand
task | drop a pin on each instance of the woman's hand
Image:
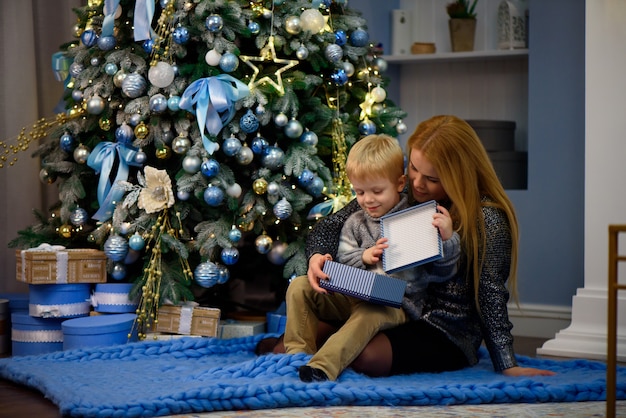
(315, 273)
(526, 371)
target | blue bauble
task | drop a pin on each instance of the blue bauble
(110, 68)
(124, 134)
(274, 158)
(333, 53)
(89, 38)
(79, 217)
(359, 38)
(339, 77)
(183, 195)
(214, 23)
(116, 248)
(206, 274)
(77, 95)
(316, 187)
(148, 46)
(173, 103)
(210, 168)
(263, 244)
(249, 122)
(309, 138)
(231, 146)
(282, 209)
(254, 28)
(76, 68)
(293, 129)
(259, 145)
(136, 242)
(230, 256)
(118, 272)
(141, 157)
(223, 274)
(67, 143)
(134, 85)
(158, 103)
(341, 38)
(234, 234)
(306, 177)
(229, 62)
(367, 127)
(213, 195)
(180, 35)
(106, 43)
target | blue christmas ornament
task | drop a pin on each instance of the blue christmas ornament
(274, 158)
(118, 272)
(230, 256)
(341, 38)
(89, 38)
(367, 127)
(316, 187)
(158, 103)
(67, 143)
(173, 103)
(254, 28)
(116, 248)
(180, 35)
(136, 242)
(282, 209)
(229, 62)
(213, 195)
(231, 146)
(306, 177)
(79, 217)
(210, 168)
(234, 234)
(293, 129)
(76, 68)
(223, 274)
(249, 122)
(309, 138)
(359, 38)
(77, 95)
(214, 23)
(141, 157)
(134, 85)
(106, 43)
(148, 46)
(206, 274)
(124, 134)
(110, 68)
(339, 76)
(183, 195)
(259, 145)
(333, 53)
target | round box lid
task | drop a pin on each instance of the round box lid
(18, 318)
(99, 324)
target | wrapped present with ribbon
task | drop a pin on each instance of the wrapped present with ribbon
(59, 300)
(188, 319)
(54, 264)
(114, 298)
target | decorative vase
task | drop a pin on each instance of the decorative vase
(462, 32)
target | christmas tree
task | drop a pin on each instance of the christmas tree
(192, 127)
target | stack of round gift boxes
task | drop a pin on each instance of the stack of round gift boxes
(59, 313)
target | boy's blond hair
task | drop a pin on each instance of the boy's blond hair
(375, 156)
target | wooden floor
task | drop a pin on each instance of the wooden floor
(21, 402)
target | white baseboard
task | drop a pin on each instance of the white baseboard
(539, 321)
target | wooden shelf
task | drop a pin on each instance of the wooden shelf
(457, 56)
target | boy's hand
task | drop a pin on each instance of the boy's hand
(443, 222)
(373, 254)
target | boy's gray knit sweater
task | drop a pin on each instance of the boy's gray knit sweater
(361, 231)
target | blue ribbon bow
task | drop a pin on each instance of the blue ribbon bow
(110, 6)
(214, 100)
(144, 12)
(102, 159)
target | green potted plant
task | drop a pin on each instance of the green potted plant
(462, 24)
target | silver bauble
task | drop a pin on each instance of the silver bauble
(180, 145)
(263, 244)
(81, 154)
(134, 85)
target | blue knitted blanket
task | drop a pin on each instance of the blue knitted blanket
(191, 375)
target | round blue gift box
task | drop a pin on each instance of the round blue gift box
(59, 300)
(113, 298)
(98, 330)
(32, 336)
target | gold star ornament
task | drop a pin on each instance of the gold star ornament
(268, 53)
